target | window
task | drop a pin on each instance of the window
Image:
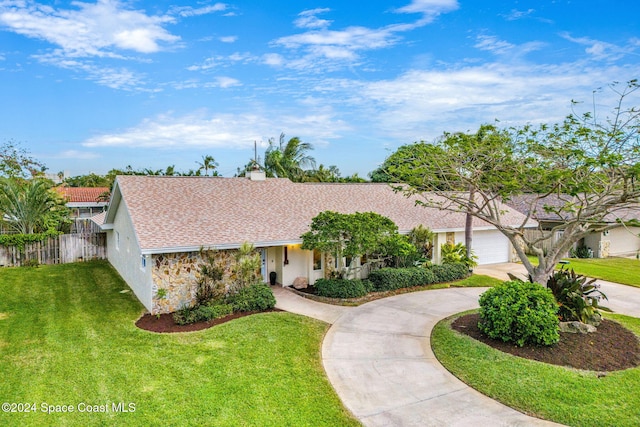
(451, 238)
(143, 262)
(317, 260)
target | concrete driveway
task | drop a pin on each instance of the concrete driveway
(378, 358)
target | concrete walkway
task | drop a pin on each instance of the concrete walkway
(379, 360)
(289, 301)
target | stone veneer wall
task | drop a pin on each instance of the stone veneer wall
(178, 274)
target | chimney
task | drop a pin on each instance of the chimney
(257, 175)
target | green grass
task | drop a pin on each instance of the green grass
(67, 337)
(563, 395)
(618, 270)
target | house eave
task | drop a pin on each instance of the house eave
(221, 246)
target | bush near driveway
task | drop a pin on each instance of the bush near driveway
(342, 288)
(519, 312)
(387, 279)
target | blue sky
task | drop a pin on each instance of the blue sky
(90, 86)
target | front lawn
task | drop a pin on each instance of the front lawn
(67, 337)
(563, 395)
(618, 270)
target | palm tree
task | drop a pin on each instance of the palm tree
(324, 174)
(288, 160)
(30, 206)
(208, 164)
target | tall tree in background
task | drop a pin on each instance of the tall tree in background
(15, 161)
(288, 160)
(208, 164)
(591, 165)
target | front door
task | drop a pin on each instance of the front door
(318, 266)
(263, 265)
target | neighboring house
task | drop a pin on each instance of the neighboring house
(618, 240)
(157, 225)
(85, 202)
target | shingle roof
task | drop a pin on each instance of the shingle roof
(526, 202)
(82, 194)
(188, 212)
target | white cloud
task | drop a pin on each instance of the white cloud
(187, 11)
(327, 49)
(515, 14)
(493, 44)
(601, 50)
(224, 61)
(115, 78)
(229, 39)
(421, 104)
(226, 82)
(273, 59)
(308, 19)
(430, 8)
(501, 47)
(200, 130)
(92, 29)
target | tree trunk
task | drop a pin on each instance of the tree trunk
(468, 226)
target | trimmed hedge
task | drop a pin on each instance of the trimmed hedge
(257, 297)
(519, 312)
(450, 272)
(388, 279)
(342, 288)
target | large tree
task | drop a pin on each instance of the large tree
(288, 159)
(15, 161)
(355, 235)
(590, 164)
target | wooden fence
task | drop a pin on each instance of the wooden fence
(62, 249)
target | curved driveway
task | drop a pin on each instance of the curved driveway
(378, 358)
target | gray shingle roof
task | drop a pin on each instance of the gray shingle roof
(189, 212)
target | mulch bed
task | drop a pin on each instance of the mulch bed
(165, 324)
(611, 348)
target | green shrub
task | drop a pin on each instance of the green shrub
(454, 254)
(577, 298)
(519, 312)
(388, 279)
(450, 272)
(201, 313)
(581, 252)
(342, 288)
(256, 297)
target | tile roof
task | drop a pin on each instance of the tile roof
(188, 212)
(82, 194)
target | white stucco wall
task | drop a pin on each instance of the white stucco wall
(624, 241)
(298, 266)
(124, 254)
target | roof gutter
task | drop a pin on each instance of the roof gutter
(223, 246)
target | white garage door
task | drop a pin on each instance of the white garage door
(491, 247)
